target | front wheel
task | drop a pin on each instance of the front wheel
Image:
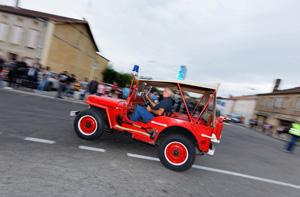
(89, 124)
(177, 153)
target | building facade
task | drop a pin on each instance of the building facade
(59, 42)
(243, 106)
(278, 108)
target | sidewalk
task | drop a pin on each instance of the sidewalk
(281, 137)
(45, 94)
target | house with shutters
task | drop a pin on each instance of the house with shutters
(59, 42)
(278, 108)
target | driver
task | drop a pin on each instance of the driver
(147, 113)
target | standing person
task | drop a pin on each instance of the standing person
(114, 90)
(44, 82)
(1, 68)
(12, 72)
(114, 86)
(83, 88)
(37, 64)
(70, 85)
(62, 83)
(125, 91)
(32, 76)
(101, 90)
(93, 85)
(295, 134)
(21, 71)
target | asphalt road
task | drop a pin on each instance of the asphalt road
(40, 155)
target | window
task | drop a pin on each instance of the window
(16, 35)
(95, 65)
(297, 106)
(286, 102)
(32, 39)
(271, 102)
(262, 102)
(12, 56)
(221, 103)
(3, 31)
(277, 102)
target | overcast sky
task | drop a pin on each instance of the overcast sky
(243, 44)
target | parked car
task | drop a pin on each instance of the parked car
(234, 118)
(225, 118)
(176, 134)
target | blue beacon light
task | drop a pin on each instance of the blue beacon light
(135, 70)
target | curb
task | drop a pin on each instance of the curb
(41, 95)
(272, 136)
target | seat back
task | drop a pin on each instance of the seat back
(206, 117)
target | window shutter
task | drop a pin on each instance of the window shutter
(3, 31)
(32, 38)
(16, 35)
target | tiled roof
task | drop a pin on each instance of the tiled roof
(36, 14)
(250, 97)
(295, 90)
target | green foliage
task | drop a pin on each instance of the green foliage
(110, 75)
(154, 89)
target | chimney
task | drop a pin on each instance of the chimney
(276, 85)
(17, 3)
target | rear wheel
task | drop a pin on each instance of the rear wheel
(89, 124)
(177, 153)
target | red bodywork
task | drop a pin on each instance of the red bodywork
(201, 129)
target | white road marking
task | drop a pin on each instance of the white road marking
(246, 176)
(142, 157)
(224, 172)
(39, 140)
(92, 149)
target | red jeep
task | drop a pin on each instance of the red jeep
(176, 133)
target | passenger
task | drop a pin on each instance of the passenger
(101, 89)
(148, 113)
(125, 91)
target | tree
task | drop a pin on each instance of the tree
(110, 75)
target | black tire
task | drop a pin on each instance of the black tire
(89, 124)
(176, 152)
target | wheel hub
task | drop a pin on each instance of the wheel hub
(176, 152)
(88, 124)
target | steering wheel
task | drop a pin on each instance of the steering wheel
(145, 100)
